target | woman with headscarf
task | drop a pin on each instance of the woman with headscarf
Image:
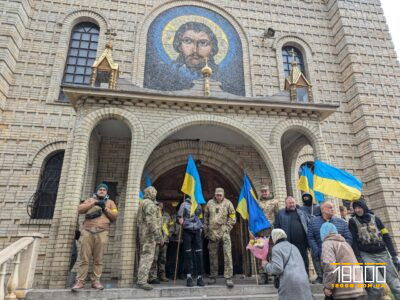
(335, 249)
(287, 263)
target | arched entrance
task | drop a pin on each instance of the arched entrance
(168, 186)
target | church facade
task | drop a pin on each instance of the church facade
(286, 82)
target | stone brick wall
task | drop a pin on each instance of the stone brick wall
(350, 60)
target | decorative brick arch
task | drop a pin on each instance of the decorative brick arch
(311, 132)
(44, 149)
(213, 155)
(72, 18)
(88, 122)
(305, 48)
(160, 6)
(257, 142)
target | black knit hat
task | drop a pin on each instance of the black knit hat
(362, 204)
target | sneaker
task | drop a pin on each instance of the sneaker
(154, 281)
(212, 280)
(200, 281)
(229, 283)
(189, 281)
(79, 285)
(164, 278)
(145, 286)
(97, 285)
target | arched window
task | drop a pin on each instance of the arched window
(81, 55)
(287, 58)
(44, 200)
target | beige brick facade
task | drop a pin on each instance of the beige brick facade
(353, 122)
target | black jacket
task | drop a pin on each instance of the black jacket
(282, 220)
(370, 248)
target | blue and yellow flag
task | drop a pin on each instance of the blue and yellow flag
(306, 184)
(148, 181)
(336, 182)
(141, 196)
(249, 209)
(192, 186)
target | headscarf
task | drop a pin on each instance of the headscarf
(278, 234)
(326, 229)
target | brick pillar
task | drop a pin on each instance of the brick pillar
(129, 228)
(371, 77)
(69, 207)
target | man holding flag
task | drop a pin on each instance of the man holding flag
(219, 219)
(249, 209)
(188, 216)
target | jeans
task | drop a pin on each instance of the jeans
(192, 241)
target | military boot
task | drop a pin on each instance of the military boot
(145, 286)
(163, 278)
(229, 283)
(212, 280)
(79, 285)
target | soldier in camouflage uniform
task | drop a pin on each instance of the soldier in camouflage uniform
(270, 207)
(219, 219)
(166, 224)
(150, 235)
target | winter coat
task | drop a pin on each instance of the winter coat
(282, 220)
(293, 278)
(336, 250)
(314, 237)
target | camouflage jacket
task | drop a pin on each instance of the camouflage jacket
(219, 218)
(166, 224)
(270, 207)
(150, 220)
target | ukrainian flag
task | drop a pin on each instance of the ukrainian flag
(249, 209)
(306, 184)
(148, 181)
(192, 186)
(335, 182)
(141, 196)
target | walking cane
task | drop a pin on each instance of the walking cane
(177, 252)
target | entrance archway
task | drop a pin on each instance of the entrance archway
(168, 186)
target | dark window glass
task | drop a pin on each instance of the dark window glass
(288, 57)
(44, 200)
(81, 53)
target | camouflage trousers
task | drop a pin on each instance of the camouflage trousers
(158, 266)
(147, 252)
(213, 251)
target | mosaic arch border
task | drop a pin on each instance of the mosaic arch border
(304, 46)
(310, 131)
(72, 18)
(159, 7)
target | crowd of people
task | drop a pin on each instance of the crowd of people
(357, 238)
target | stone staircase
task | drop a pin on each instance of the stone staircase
(171, 292)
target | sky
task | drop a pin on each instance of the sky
(391, 9)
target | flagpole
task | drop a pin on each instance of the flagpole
(179, 243)
(255, 268)
(241, 241)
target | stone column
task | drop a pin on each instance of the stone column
(129, 228)
(69, 210)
